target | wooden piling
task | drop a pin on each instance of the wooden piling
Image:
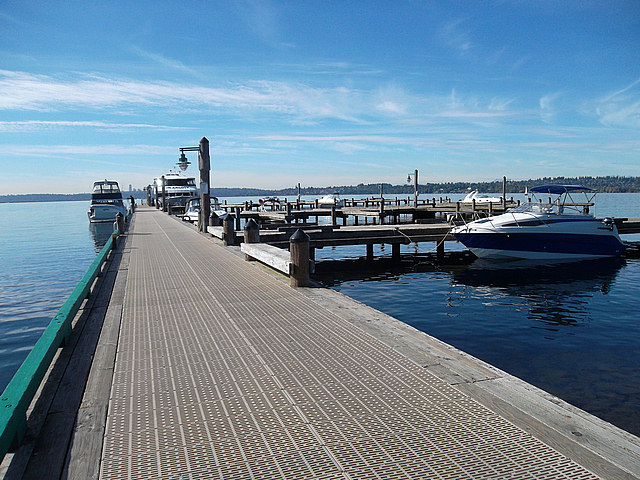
(251, 234)
(395, 253)
(228, 232)
(237, 216)
(299, 250)
(369, 252)
(164, 195)
(120, 223)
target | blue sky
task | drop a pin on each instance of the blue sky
(322, 93)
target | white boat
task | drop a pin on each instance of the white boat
(480, 198)
(178, 189)
(106, 202)
(192, 211)
(558, 229)
(330, 200)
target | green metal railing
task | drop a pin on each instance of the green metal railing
(18, 395)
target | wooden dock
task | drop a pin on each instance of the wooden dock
(212, 367)
(376, 210)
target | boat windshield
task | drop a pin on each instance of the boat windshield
(564, 202)
(181, 182)
(557, 208)
(106, 187)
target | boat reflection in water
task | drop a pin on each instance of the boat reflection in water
(100, 232)
(555, 293)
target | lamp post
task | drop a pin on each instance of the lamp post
(204, 164)
(415, 186)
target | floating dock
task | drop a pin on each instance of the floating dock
(206, 366)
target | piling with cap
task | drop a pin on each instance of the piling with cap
(251, 234)
(228, 231)
(299, 250)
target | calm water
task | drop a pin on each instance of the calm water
(571, 330)
(45, 249)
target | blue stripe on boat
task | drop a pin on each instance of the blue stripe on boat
(581, 244)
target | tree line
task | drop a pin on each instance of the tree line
(607, 184)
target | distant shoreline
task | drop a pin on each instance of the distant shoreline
(609, 184)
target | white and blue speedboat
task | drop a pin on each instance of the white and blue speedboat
(558, 229)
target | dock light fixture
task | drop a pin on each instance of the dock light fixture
(204, 165)
(183, 163)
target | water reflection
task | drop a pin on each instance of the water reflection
(556, 294)
(100, 232)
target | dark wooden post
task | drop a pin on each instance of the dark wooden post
(299, 249)
(120, 223)
(440, 250)
(333, 215)
(204, 164)
(381, 206)
(164, 195)
(415, 187)
(251, 234)
(228, 233)
(369, 252)
(395, 252)
(504, 191)
(237, 215)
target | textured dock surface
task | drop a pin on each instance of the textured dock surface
(225, 372)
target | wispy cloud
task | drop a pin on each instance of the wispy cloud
(455, 37)
(295, 103)
(37, 125)
(261, 16)
(547, 107)
(621, 108)
(87, 151)
(164, 61)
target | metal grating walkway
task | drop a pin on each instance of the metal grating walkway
(225, 372)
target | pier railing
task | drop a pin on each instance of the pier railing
(20, 391)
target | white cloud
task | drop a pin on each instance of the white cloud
(621, 108)
(294, 103)
(38, 125)
(547, 107)
(455, 37)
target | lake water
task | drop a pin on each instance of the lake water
(572, 330)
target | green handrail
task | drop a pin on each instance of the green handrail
(20, 391)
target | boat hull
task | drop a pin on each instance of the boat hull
(534, 246)
(104, 213)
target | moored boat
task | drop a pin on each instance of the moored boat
(106, 201)
(330, 200)
(178, 189)
(192, 211)
(558, 229)
(478, 197)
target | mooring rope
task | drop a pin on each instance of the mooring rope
(442, 240)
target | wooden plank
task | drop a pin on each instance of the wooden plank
(83, 459)
(605, 449)
(275, 257)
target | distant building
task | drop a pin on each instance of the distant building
(130, 188)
